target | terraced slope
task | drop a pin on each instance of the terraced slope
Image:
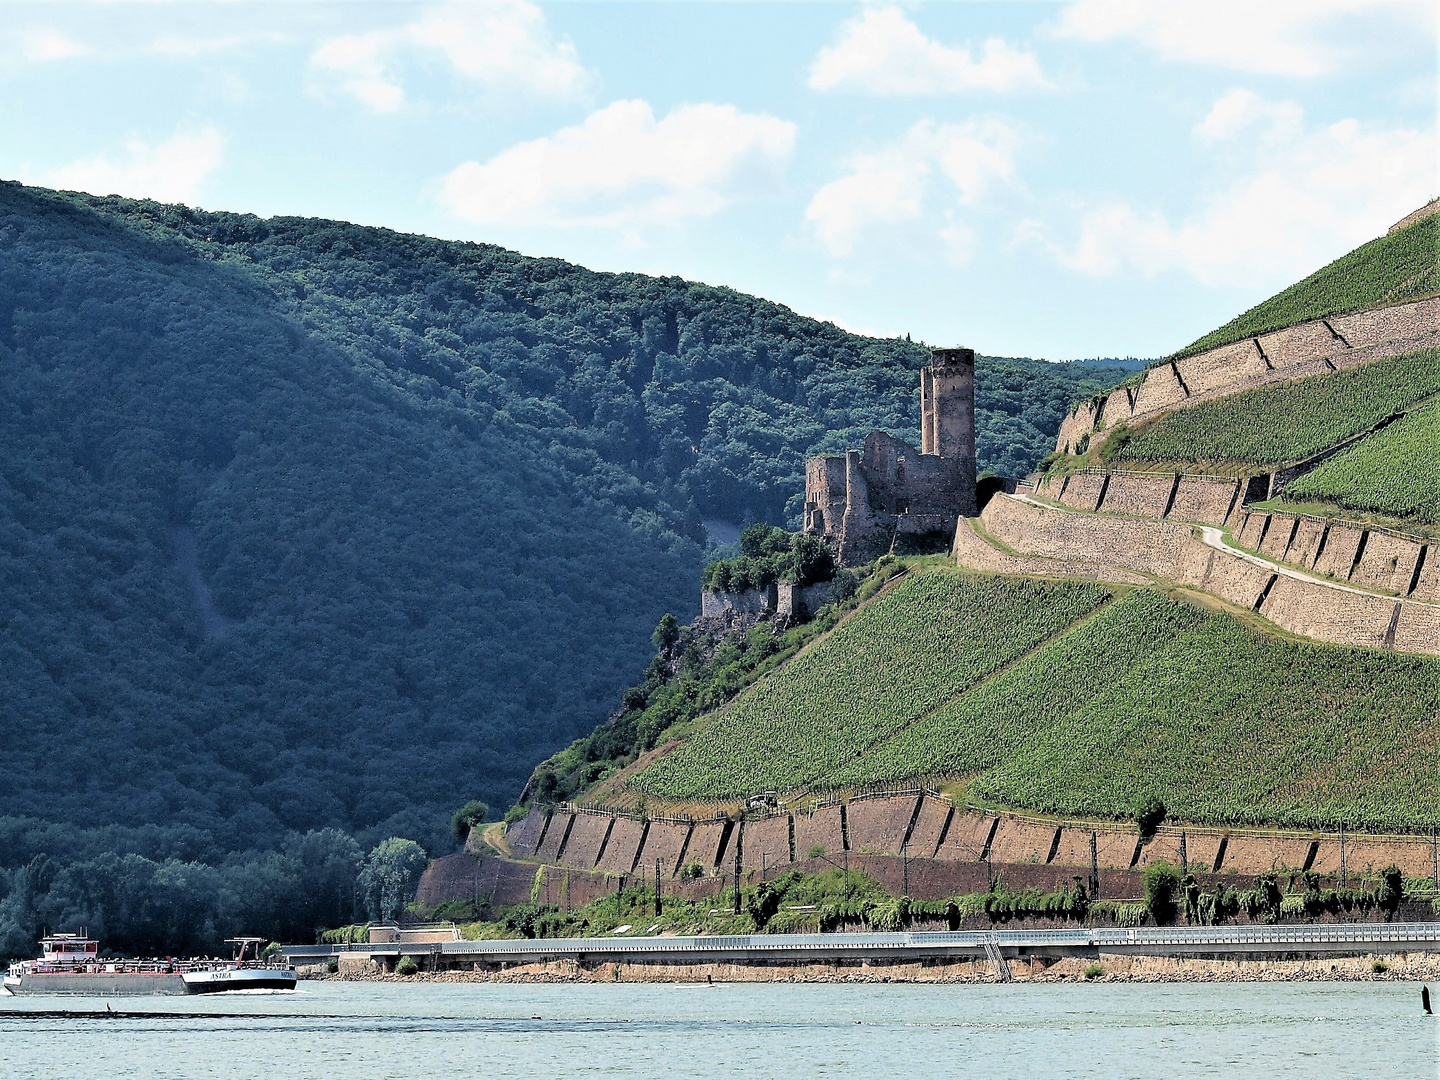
(1287, 422)
(1147, 695)
(1395, 471)
(930, 637)
(1388, 270)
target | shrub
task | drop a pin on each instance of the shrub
(1379, 967)
(332, 966)
(1162, 882)
(407, 966)
(1094, 971)
(466, 818)
(1149, 814)
(692, 872)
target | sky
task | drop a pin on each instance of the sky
(1058, 180)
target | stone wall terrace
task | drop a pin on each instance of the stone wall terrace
(820, 829)
(524, 835)
(930, 826)
(766, 843)
(879, 825)
(555, 836)
(588, 832)
(1170, 552)
(622, 850)
(1296, 352)
(666, 841)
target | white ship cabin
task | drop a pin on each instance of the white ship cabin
(68, 949)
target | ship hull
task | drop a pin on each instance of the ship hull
(218, 982)
(98, 984)
(144, 984)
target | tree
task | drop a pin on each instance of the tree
(1162, 882)
(466, 818)
(390, 876)
(667, 632)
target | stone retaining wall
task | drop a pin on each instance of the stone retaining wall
(1307, 349)
(1387, 561)
(1170, 552)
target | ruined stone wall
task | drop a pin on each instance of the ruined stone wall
(1296, 352)
(716, 604)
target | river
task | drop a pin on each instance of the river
(487, 1031)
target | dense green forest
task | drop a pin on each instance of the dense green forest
(310, 526)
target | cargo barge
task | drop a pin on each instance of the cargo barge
(71, 964)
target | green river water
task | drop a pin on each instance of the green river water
(755, 1031)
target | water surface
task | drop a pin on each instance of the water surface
(360, 1031)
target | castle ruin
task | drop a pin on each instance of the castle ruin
(890, 497)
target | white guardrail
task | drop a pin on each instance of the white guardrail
(1322, 937)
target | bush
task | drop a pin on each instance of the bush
(1379, 967)
(1149, 814)
(407, 966)
(1094, 971)
(466, 818)
(1162, 883)
(332, 966)
(692, 872)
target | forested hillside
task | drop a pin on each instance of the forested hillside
(308, 525)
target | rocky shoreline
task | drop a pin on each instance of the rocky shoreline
(1107, 968)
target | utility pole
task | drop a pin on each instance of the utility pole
(1094, 869)
(905, 864)
(619, 890)
(657, 886)
(737, 867)
(1342, 854)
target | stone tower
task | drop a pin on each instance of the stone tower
(890, 497)
(947, 404)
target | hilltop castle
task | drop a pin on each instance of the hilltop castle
(890, 497)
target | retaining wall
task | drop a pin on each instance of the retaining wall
(1307, 349)
(1170, 552)
(666, 841)
(1387, 561)
(623, 847)
(587, 834)
(523, 836)
(767, 843)
(560, 823)
(821, 829)
(879, 825)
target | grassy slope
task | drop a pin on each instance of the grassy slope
(1395, 471)
(1148, 695)
(1387, 270)
(929, 638)
(1286, 422)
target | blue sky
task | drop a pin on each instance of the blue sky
(1062, 180)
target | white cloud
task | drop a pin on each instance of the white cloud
(882, 52)
(498, 43)
(169, 171)
(1313, 194)
(899, 183)
(49, 44)
(622, 167)
(1276, 37)
(1240, 109)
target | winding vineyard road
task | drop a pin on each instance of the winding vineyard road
(1215, 537)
